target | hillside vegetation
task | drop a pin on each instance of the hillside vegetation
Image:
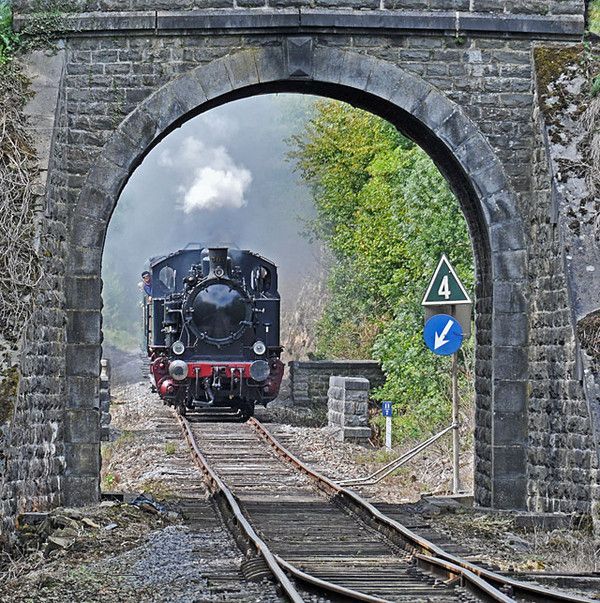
(386, 214)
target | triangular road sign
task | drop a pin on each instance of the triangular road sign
(445, 287)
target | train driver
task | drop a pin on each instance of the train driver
(147, 284)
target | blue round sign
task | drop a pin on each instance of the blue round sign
(443, 334)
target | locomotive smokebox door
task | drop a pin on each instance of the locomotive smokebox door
(217, 257)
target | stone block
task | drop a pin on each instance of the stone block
(510, 329)
(84, 326)
(510, 364)
(82, 426)
(83, 293)
(510, 397)
(78, 491)
(359, 435)
(509, 429)
(82, 460)
(83, 360)
(355, 383)
(82, 392)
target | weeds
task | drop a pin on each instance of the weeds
(170, 448)
(9, 40)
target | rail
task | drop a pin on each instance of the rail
(481, 582)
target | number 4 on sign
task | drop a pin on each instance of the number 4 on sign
(444, 290)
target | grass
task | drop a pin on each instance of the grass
(594, 17)
(170, 448)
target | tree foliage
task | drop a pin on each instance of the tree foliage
(386, 214)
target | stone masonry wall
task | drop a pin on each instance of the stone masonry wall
(523, 7)
(310, 380)
(106, 77)
(348, 409)
(562, 472)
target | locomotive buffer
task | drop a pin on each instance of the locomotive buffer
(448, 310)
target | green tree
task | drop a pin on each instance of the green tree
(386, 214)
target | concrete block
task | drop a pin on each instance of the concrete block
(510, 364)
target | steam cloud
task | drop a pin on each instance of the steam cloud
(216, 180)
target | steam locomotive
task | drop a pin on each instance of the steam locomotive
(212, 330)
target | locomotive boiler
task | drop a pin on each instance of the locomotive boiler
(212, 330)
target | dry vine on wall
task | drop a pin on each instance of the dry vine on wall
(19, 261)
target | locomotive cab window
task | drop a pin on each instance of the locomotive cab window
(261, 279)
(166, 276)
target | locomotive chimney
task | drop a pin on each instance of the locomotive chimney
(217, 257)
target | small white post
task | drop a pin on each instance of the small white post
(388, 433)
(386, 411)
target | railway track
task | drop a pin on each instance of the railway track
(312, 535)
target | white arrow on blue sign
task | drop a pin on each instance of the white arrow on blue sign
(443, 334)
(386, 409)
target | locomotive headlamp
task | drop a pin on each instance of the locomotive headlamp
(178, 369)
(259, 370)
(178, 348)
(259, 348)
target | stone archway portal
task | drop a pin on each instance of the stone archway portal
(420, 111)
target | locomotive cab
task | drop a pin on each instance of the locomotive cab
(212, 329)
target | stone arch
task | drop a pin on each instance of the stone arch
(423, 113)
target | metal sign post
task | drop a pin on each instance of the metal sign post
(455, 423)
(448, 321)
(386, 411)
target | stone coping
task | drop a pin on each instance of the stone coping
(306, 20)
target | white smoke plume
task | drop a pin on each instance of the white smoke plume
(211, 178)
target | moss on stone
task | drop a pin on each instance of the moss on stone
(550, 63)
(9, 385)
